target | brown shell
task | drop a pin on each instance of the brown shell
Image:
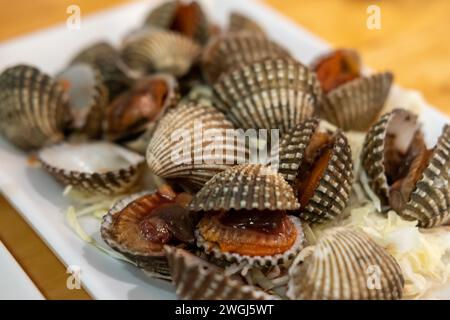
(273, 93)
(183, 120)
(104, 181)
(164, 15)
(160, 51)
(333, 191)
(356, 104)
(430, 200)
(231, 50)
(197, 279)
(239, 22)
(33, 108)
(153, 262)
(346, 265)
(247, 186)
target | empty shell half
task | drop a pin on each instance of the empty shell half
(268, 94)
(245, 217)
(98, 168)
(411, 179)
(33, 108)
(197, 279)
(352, 101)
(318, 164)
(346, 265)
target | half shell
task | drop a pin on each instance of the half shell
(301, 151)
(239, 22)
(190, 145)
(33, 108)
(197, 279)
(269, 94)
(346, 265)
(231, 50)
(96, 168)
(160, 51)
(429, 196)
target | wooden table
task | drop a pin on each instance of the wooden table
(412, 42)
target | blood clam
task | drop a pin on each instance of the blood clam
(138, 226)
(352, 101)
(33, 107)
(239, 22)
(346, 265)
(245, 217)
(318, 164)
(95, 168)
(408, 177)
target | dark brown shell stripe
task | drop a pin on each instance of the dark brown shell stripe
(292, 148)
(333, 192)
(163, 15)
(196, 279)
(355, 105)
(273, 93)
(340, 268)
(430, 201)
(227, 52)
(245, 187)
(33, 105)
(161, 51)
(239, 22)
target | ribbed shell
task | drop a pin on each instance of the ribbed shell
(154, 262)
(197, 279)
(247, 186)
(333, 191)
(33, 108)
(231, 50)
(430, 200)
(107, 59)
(346, 265)
(239, 22)
(183, 120)
(160, 51)
(163, 17)
(89, 118)
(356, 105)
(105, 181)
(269, 94)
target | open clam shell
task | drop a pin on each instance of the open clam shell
(33, 108)
(272, 93)
(187, 19)
(356, 105)
(197, 279)
(96, 168)
(87, 97)
(239, 22)
(346, 265)
(107, 60)
(160, 51)
(301, 151)
(387, 149)
(230, 50)
(190, 145)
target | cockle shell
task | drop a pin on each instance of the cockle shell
(190, 145)
(87, 97)
(33, 108)
(197, 279)
(356, 104)
(346, 265)
(239, 22)
(96, 168)
(268, 94)
(160, 51)
(230, 50)
(430, 199)
(333, 189)
(165, 16)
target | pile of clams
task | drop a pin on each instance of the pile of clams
(162, 104)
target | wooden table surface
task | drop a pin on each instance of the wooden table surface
(413, 42)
